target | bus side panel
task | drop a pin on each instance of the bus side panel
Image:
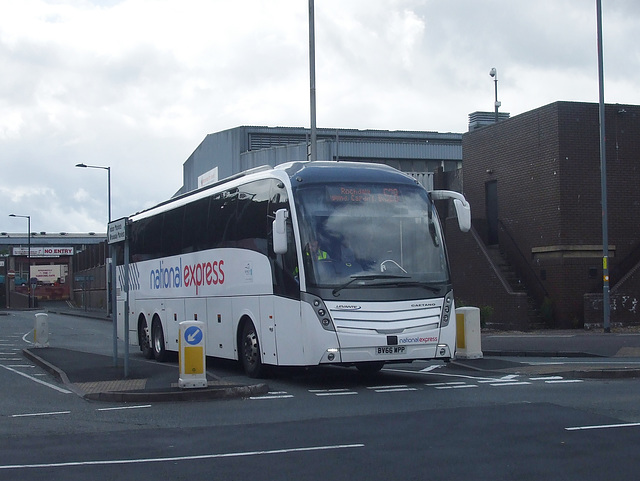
(220, 328)
(196, 310)
(173, 316)
(267, 331)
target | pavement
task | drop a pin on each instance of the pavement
(569, 353)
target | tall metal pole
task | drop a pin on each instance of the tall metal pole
(494, 74)
(312, 76)
(29, 259)
(606, 308)
(496, 102)
(112, 301)
(28, 217)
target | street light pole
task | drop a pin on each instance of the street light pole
(606, 307)
(312, 81)
(111, 273)
(108, 169)
(28, 217)
(494, 73)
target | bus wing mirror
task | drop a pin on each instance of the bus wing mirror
(463, 209)
(280, 231)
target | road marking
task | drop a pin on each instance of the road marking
(463, 386)
(392, 388)
(431, 368)
(124, 407)
(274, 395)
(602, 426)
(107, 462)
(59, 389)
(27, 415)
(397, 389)
(564, 381)
(332, 392)
(516, 383)
(546, 378)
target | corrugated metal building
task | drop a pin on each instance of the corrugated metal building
(225, 153)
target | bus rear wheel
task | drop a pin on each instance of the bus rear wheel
(143, 339)
(159, 351)
(250, 351)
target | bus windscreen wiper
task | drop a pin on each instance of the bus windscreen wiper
(370, 277)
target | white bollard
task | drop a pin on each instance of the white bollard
(41, 330)
(192, 355)
(468, 338)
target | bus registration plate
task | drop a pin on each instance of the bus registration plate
(391, 350)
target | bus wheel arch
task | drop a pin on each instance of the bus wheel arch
(157, 340)
(249, 353)
(144, 337)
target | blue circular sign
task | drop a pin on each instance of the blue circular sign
(193, 335)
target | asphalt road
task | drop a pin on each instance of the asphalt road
(413, 421)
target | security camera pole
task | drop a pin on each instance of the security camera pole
(494, 73)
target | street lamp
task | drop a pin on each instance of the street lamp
(112, 300)
(28, 217)
(494, 74)
(108, 169)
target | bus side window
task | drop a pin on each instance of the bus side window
(251, 227)
(194, 235)
(172, 232)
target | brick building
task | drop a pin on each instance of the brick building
(534, 186)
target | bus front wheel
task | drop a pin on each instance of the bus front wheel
(250, 351)
(159, 351)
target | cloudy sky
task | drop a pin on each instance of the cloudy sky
(137, 84)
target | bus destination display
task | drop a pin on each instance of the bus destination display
(348, 194)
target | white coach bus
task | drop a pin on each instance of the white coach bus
(303, 264)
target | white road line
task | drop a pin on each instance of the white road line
(107, 462)
(339, 393)
(445, 384)
(603, 426)
(464, 386)
(397, 389)
(125, 407)
(564, 381)
(59, 389)
(28, 415)
(545, 378)
(274, 395)
(315, 391)
(375, 388)
(332, 392)
(517, 383)
(431, 368)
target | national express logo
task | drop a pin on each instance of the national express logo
(198, 275)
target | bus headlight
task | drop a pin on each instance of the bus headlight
(446, 309)
(320, 311)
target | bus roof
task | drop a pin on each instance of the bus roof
(298, 172)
